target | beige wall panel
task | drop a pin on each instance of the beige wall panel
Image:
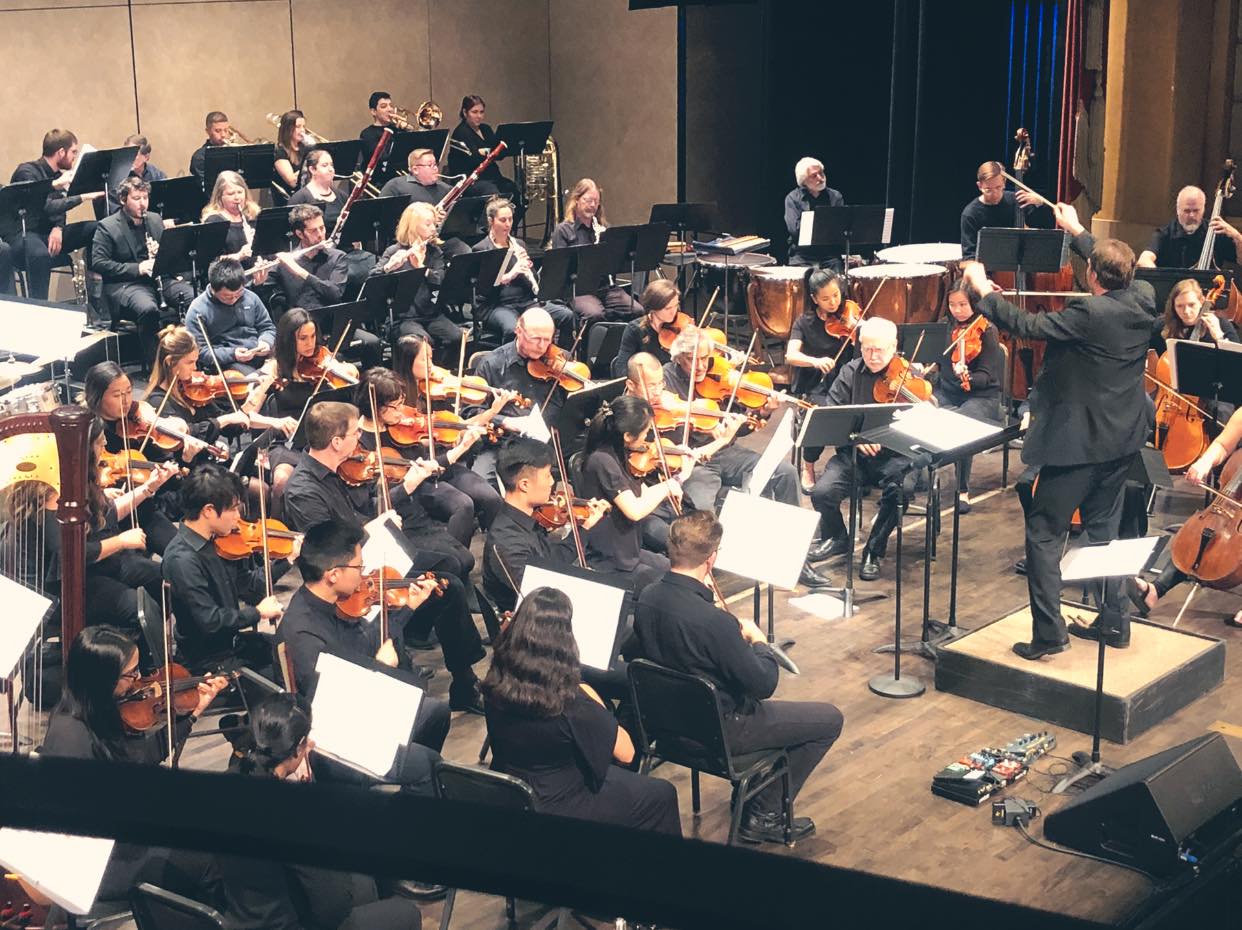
(497, 49)
(616, 110)
(93, 66)
(339, 63)
(183, 71)
(54, 5)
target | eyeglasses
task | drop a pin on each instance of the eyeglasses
(357, 565)
(132, 675)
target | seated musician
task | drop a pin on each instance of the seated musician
(422, 184)
(1179, 243)
(583, 225)
(230, 202)
(213, 631)
(515, 538)
(144, 168)
(49, 240)
(418, 246)
(235, 320)
(554, 732)
(101, 667)
(123, 256)
(1186, 317)
(517, 288)
(678, 626)
(331, 567)
(661, 302)
(265, 893)
(812, 191)
(460, 497)
(453, 518)
(471, 142)
(219, 132)
(816, 353)
(383, 114)
(269, 894)
(290, 151)
(996, 206)
(982, 372)
(323, 191)
(877, 342)
(318, 279)
(316, 493)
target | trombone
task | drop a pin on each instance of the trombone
(237, 137)
(310, 138)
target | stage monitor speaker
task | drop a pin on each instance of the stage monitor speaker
(1144, 814)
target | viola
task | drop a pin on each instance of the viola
(753, 388)
(145, 706)
(446, 427)
(1208, 547)
(705, 414)
(966, 344)
(898, 384)
(200, 389)
(555, 365)
(444, 385)
(112, 468)
(556, 512)
(844, 323)
(323, 364)
(667, 333)
(645, 460)
(363, 467)
(247, 539)
(169, 433)
(396, 589)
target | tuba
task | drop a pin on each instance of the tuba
(429, 115)
(541, 180)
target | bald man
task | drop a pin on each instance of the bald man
(1179, 243)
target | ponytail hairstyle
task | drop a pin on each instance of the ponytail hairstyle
(626, 414)
(278, 725)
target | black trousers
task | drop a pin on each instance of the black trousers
(139, 301)
(112, 589)
(459, 498)
(6, 268)
(1096, 491)
(449, 615)
(617, 304)
(30, 253)
(806, 730)
(887, 470)
(501, 320)
(626, 798)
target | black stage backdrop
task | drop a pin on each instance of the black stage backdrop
(900, 99)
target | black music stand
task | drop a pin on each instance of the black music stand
(391, 295)
(580, 406)
(570, 271)
(1163, 279)
(346, 153)
(373, 222)
(178, 199)
(935, 340)
(468, 274)
(189, 248)
(522, 139)
(338, 319)
(255, 163)
(686, 219)
(849, 226)
(1022, 250)
(841, 426)
(394, 162)
(272, 233)
(102, 170)
(1204, 370)
(643, 248)
(344, 395)
(465, 219)
(21, 200)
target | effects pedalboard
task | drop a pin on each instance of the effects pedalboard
(974, 778)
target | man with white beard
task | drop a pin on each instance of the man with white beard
(812, 191)
(1179, 243)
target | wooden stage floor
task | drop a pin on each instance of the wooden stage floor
(870, 798)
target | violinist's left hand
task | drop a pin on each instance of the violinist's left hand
(192, 447)
(207, 691)
(419, 592)
(598, 509)
(961, 369)
(501, 399)
(869, 448)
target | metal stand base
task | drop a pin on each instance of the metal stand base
(1088, 770)
(890, 687)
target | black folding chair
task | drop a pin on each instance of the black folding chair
(157, 909)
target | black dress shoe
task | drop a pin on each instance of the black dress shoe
(963, 505)
(419, 891)
(1118, 639)
(869, 570)
(812, 579)
(1019, 566)
(768, 827)
(828, 548)
(468, 700)
(1037, 650)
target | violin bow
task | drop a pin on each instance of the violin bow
(685, 429)
(220, 371)
(568, 355)
(461, 370)
(706, 312)
(323, 375)
(569, 497)
(168, 695)
(381, 489)
(431, 442)
(1185, 399)
(1034, 193)
(259, 461)
(129, 474)
(737, 383)
(857, 323)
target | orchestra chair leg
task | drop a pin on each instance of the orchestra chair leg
(694, 790)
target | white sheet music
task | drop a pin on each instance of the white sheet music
(34, 329)
(532, 424)
(1120, 557)
(68, 869)
(805, 224)
(382, 547)
(887, 236)
(941, 430)
(747, 550)
(24, 610)
(780, 442)
(389, 707)
(597, 611)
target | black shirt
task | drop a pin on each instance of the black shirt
(405, 186)
(120, 244)
(234, 239)
(198, 161)
(479, 144)
(314, 494)
(205, 591)
(986, 371)
(515, 539)
(799, 201)
(678, 626)
(505, 368)
(1175, 249)
(517, 293)
(977, 214)
(615, 536)
(331, 208)
(324, 286)
(370, 139)
(423, 306)
(811, 331)
(571, 232)
(638, 336)
(53, 211)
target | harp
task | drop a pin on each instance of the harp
(50, 448)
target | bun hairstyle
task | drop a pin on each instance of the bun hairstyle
(278, 725)
(625, 414)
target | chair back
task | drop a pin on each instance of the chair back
(679, 718)
(157, 909)
(284, 667)
(151, 621)
(481, 786)
(602, 344)
(491, 619)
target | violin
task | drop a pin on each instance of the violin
(145, 706)
(966, 344)
(247, 539)
(362, 467)
(169, 433)
(753, 388)
(897, 384)
(844, 323)
(444, 385)
(667, 333)
(112, 469)
(556, 512)
(705, 414)
(1208, 547)
(323, 364)
(446, 427)
(200, 389)
(396, 592)
(555, 365)
(645, 460)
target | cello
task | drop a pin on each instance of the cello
(1208, 547)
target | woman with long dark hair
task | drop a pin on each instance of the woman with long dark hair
(290, 151)
(555, 733)
(470, 143)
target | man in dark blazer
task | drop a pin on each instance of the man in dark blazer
(1088, 421)
(121, 255)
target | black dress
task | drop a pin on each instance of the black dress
(567, 761)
